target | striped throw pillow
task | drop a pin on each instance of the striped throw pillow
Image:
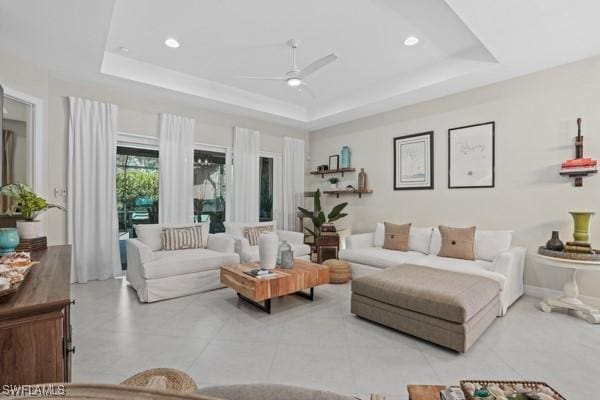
(252, 233)
(180, 238)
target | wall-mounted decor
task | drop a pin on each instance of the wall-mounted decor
(471, 156)
(579, 167)
(345, 160)
(334, 162)
(413, 161)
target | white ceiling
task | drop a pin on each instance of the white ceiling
(463, 44)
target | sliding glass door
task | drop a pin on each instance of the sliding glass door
(137, 191)
(210, 188)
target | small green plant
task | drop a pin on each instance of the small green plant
(334, 180)
(26, 202)
(318, 217)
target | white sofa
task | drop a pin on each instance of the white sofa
(157, 274)
(235, 230)
(495, 257)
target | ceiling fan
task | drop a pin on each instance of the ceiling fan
(296, 76)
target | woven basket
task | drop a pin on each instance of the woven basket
(166, 379)
(339, 271)
(528, 384)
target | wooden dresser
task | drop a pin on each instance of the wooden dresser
(35, 329)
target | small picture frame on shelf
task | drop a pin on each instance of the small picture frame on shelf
(334, 162)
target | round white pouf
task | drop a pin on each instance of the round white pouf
(267, 250)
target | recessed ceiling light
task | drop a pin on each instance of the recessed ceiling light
(172, 42)
(124, 49)
(411, 41)
(294, 82)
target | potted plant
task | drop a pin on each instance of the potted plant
(318, 217)
(30, 206)
(334, 181)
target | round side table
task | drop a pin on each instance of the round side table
(570, 298)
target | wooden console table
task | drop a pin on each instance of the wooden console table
(35, 328)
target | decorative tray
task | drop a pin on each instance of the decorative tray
(24, 270)
(512, 390)
(570, 256)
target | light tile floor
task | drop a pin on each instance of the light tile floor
(220, 340)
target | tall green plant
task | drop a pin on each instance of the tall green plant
(26, 202)
(317, 216)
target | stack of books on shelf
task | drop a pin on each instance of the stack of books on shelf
(35, 244)
(578, 247)
(579, 166)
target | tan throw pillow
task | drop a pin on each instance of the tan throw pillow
(180, 238)
(252, 233)
(396, 236)
(458, 242)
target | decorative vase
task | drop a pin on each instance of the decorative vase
(287, 255)
(362, 180)
(9, 240)
(555, 243)
(345, 162)
(267, 250)
(30, 229)
(581, 222)
(334, 186)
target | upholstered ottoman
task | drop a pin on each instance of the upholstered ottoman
(448, 308)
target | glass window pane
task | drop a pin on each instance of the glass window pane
(209, 188)
(266, 189)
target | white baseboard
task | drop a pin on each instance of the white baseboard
(541, 293)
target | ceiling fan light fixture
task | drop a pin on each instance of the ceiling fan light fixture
(411, 41)
(172, 43)
(294, 82)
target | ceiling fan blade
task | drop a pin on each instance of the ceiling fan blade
(309, 90)
(265, 78)
(320, 63)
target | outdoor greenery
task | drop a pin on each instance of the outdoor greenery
(136, 183)
(318, 217)
(26, 202)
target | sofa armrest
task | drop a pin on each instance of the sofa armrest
(138, 253)
(291, 236)
(221, 243)
(510, 263)
(360, 241)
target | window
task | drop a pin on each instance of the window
(266, 189)
(137, 191)
(210, 188)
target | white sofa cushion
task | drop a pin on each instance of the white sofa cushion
(378, 257)
(488, 244)
(250, 254)
(151, 234)
(477, 267)
(181, 262)
(419, 239)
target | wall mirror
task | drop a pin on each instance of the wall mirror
(20, 143)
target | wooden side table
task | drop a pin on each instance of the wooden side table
(570, 299)
(327, 246)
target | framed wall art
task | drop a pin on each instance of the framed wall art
(471, 156)
(334, 162)
(413, 161)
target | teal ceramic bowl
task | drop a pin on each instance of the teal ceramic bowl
(9, 240)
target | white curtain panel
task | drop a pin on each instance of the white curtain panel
(245, 194)
(176, 183)
(278, 191)
(293, 181)
(93, 228)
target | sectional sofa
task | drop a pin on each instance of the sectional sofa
(495, 257)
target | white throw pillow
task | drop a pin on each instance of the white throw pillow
(150, 235)
(419, 239)
(488, 244)
(436, 242)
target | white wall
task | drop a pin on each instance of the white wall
(535, 126)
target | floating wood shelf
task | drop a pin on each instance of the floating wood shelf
(578, 176)
(332, 171)
(344, 191)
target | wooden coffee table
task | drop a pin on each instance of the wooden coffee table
(303, 276)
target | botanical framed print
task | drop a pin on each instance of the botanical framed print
(334, 162)
(413, 161)
(471, 156)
